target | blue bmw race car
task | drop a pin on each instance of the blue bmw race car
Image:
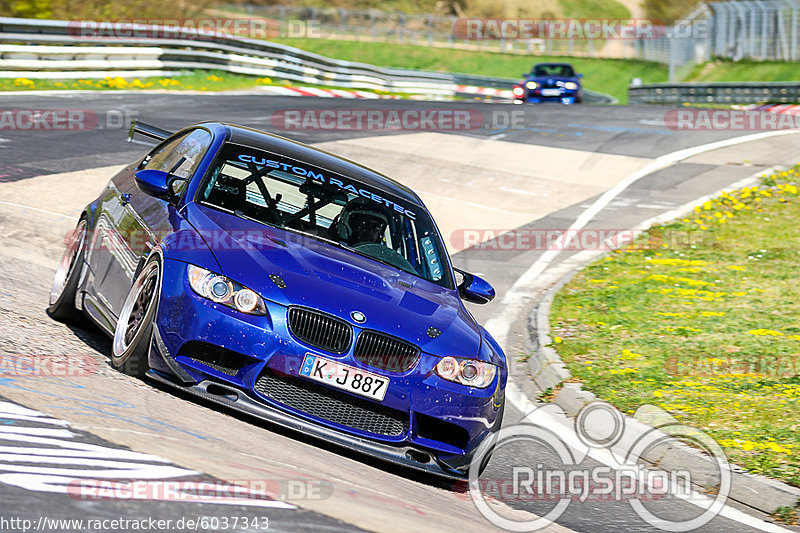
(289, 283)
(549, 82)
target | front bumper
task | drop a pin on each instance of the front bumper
(406, 455)
(436, 425)
(565, 97)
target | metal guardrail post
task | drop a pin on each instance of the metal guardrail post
(671, 55)
(429, 21)
(793, 53)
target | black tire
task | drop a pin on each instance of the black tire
(68, 274)
(134, 332)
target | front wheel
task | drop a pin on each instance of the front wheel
(134, 331)
(65, 282)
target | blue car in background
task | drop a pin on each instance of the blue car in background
(549, 82)
(291, 284)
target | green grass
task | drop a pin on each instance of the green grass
(609, 9)
(786, 515)
(480, 8)
(700, 319)
(199, 80)
(765, 71)
(154, 9)
(610, 76)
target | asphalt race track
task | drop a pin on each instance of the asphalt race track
(539, 173)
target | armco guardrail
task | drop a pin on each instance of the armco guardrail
(715, 93)
(50, 49)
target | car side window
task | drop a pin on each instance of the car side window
(182, 155)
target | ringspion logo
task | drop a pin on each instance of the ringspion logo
(573, 475)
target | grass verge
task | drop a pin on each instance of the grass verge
(583, 9)
(700, 318)
(199, 80)
(763, 71)
(786, 515)
(610, 76)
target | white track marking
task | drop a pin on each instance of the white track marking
(13, 431)
(27, 418)
(516, 298)
(8, 408)
(520, 292)
(55, 463)
(26, 207)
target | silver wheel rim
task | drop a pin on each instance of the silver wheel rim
(74, 246)
(136, 308)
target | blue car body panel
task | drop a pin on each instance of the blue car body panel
(437, 424)
(554, 88)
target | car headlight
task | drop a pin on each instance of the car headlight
(222, 290)
(518, 91)
(571, 85)
(531, 85)
(470, 372)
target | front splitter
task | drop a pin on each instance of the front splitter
(236, 399)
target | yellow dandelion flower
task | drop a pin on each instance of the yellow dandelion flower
(765, 333)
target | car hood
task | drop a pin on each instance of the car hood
(337, 281)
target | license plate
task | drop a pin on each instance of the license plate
(344, 377)
(551, 92)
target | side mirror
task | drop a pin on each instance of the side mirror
(474, 289)
(157, 183)
(580, 75)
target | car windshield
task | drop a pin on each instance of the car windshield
(564, 71)
(299, 197)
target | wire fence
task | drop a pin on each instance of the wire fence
(733, 29)
(425, 30)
